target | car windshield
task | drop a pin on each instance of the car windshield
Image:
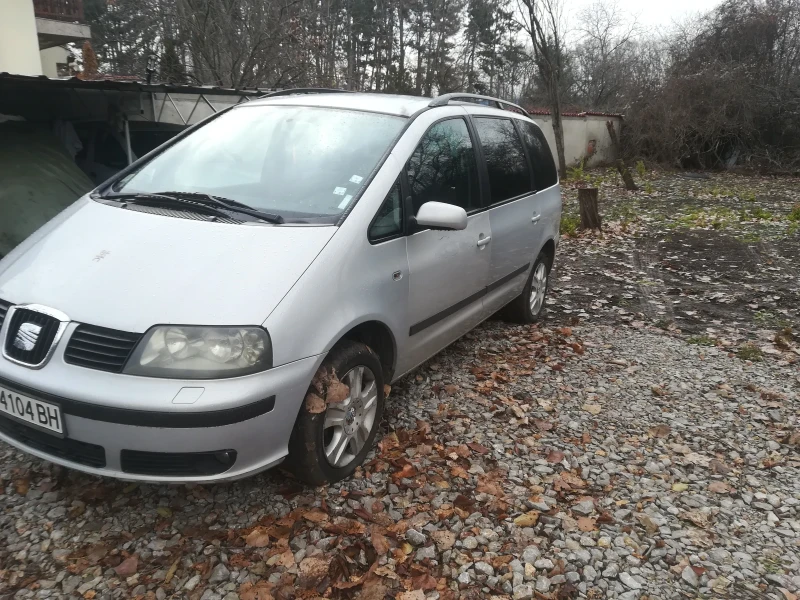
(302, 163)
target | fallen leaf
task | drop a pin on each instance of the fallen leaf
(587, 524)
(660, 431)
(720, 487)
(680, 487)
(311, 571)
(543, 425)
(22, 485)
(787, 595)
(258, 538)
(337, 392)
(528, 519)
(444, 539)
(316, 515)
(424, 582)
(380, 542)
(699, 518)
(259, 591)
(128, 566)
(555, 456)
(415, 595)
(478, 448)
(96, 553)
(592, 408)
(314, 404)
(386, 571)
(171, 573)
(164, 512)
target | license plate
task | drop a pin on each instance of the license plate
(43, 415)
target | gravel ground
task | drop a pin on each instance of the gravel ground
(588, 457)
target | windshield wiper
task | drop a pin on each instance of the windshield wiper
(207, 202)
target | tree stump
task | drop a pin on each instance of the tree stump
(590, 213)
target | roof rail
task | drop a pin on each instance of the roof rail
(291, 91)
(445, 99)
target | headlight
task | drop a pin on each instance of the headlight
(201, 352)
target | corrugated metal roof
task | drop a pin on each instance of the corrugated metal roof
(123, 84)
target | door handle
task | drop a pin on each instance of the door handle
(535, 218)
(483, 241)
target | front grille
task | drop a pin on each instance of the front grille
(30, 336)
(100, 348)
(4, 306)
(82, 453)
(177, 464)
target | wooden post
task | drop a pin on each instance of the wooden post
(630, 184)
(590, 214)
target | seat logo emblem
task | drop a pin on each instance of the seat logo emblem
(27, 336)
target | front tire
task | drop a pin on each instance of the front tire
(330, 441)
(528, 306)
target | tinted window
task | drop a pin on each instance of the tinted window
(300, 162)
(544, 167)
(509, 175)
(389, 220)
(443, 167)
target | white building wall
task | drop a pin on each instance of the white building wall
(51, 57)
(19, 44)
(578, 133)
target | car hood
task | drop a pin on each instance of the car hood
(128, 270)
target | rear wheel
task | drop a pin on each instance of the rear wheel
(332, 438)
(528, 306)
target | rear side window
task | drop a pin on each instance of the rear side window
(509, 174)
(544, 167)
(388, 223)
(443, 167)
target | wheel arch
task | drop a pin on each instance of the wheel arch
(378, 336)
(549, 250)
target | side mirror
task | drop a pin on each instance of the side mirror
(438, 215)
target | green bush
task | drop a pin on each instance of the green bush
(569, 224)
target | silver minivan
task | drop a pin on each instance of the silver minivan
(244, 295)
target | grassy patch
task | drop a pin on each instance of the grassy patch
(755, 214)
(750, 352)
(648, 188)
(701, 340)
(794, 215)
(569, 224)
(716, 218)
(640, 168)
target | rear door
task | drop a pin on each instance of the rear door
(448, 270)
(512, 214)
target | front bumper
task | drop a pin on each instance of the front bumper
(137, 427)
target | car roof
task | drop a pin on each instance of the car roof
(393, 104)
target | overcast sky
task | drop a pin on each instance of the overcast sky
(652, 15)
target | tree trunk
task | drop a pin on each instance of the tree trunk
(630, 184)
(558, 129)
(590, 213)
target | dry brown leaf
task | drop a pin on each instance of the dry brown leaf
(480, 449)
(127, 567)
(528, 519)
(720, 487)
(259, 591)
(787, 595)
(424, 582)
(543, 425)
(592, 408)
(337, 392)
(587, 524)
(660, 431)
(316, 515)
(314, 404)
(311, 571)
(444, 540)
(415, 595)
(380, 542)
(22, 485)
(555, 456)
(258, 538)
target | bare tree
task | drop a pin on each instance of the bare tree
(542, 20)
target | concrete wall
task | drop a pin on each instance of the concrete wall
(51, 57)
(19, 46)
(578, 133)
